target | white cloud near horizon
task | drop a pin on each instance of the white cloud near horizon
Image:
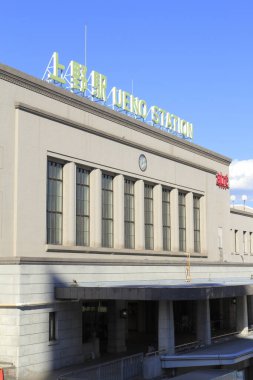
(241, 175)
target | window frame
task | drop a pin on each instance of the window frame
(196, 223)
(106, 220)
(182, 227)
(129, 213)
(236, 245)
(83, 188)
(149, 217)
(166, 219)
(52, 326)
(52, 232)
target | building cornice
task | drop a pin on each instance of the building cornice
(46, 89)
(241, 212)
(62, 120)
(116, 261)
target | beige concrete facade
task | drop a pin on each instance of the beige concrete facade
(40, 122)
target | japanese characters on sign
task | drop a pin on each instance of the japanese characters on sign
(94, 86)
(222, 181)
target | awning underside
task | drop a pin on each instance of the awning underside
(152, 292)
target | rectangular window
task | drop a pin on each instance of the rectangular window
(166, 220)
(251, 243)
(236, 241)
(196, 219)
(129, 213)
(148, 217)
(220, 238)
(82, 207)
(182, 222)
(52, 326)
(54, 202)
(244, 238)
(107, 211)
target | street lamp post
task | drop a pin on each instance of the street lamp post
(244, 198)
(233, 198)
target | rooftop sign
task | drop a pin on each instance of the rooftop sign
(94, 86)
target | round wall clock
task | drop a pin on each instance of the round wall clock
(142, 162)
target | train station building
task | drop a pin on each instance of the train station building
(116, 238)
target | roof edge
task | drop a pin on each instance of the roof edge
(37, 85)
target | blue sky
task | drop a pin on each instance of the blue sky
(193, 58)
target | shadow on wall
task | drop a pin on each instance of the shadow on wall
(50, 334)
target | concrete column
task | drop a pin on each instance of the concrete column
(250, 310)
(96, 208)
(69, 204)
(174, 220)
(203, 322)
(116, 327)
(241, 315)
(158, 218)
(249, 370)
(222, 313)
(141, 317)
(189, 223)
(231, 313)
(166, 334)
(118, 211)
(139, 215)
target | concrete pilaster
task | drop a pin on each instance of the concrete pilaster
(241, 315)
(222, 313)
(166, 334)
(141, 317)
(158, 219)
(69, 204)
(139, 214)
(116, 327)
(96, 208)
(118, 211)
(231, 313)
(189, 223)
(174, 220)
(203, 322)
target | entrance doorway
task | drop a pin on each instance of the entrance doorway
(140, 319)
(142, 326)
(185, 322)
(94, 323)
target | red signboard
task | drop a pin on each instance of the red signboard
(222, 181)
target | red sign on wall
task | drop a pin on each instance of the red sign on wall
(222, 181)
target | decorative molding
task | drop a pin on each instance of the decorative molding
(49, 90)
(241, 212)
(49, 116)
(117, 261)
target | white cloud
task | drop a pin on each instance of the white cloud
(241, 175)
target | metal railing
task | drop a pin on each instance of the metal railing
(219, 338)
(155, 353)
(199, 343)
(125, 368)
(188, 346)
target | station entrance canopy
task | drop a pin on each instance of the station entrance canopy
(153, 292)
